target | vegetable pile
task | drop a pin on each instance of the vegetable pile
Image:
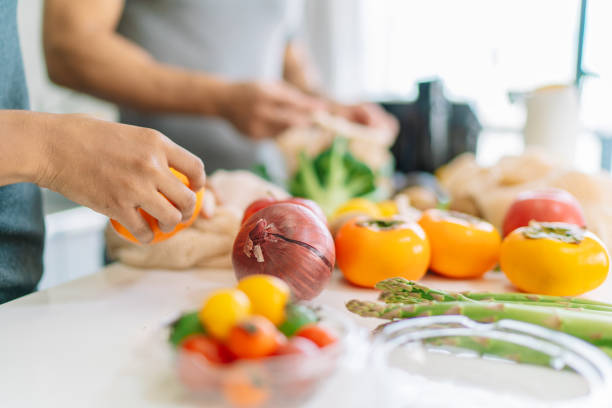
(586, 319)
(255, 321)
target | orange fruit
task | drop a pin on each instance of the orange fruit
(247, 386)
(554, 258)
(158, 235)
(369, 250)
(255, 337)
(462, 246)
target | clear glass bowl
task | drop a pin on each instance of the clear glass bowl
(276, 381)
(451, 360)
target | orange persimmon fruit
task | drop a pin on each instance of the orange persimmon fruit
(159, 235)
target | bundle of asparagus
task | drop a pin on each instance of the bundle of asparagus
(586, 319)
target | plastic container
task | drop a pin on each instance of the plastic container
(275, 381)
(451, 360)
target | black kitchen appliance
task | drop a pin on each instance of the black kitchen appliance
(433, 130)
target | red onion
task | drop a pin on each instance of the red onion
(288, 241)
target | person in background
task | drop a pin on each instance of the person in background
(114, 169)
(232, 65)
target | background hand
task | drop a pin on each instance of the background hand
(368, 114)
(265, 109)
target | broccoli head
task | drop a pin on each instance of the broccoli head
(333, 177)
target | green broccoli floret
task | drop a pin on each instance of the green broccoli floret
(333, 177)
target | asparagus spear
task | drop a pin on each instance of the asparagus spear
(595, 328)
(400, 290)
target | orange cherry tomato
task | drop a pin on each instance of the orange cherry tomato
(370, 250)
(214, 351)
(254, 337)
(247, 386)
(462, 246)
(159, 235)
(318, 335)
(557, 259)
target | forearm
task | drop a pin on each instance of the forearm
(22, 146)
(92, 58)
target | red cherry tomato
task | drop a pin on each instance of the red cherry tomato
(265, 202)
(298, 345)
(214, 351)
(317, 334)
(543, 205)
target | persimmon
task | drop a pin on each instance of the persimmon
(554, 258)
(158, 234)
(369, 250)
(462, 246)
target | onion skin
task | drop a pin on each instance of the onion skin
(288, 241)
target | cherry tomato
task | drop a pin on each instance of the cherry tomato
(556, 259)
(247, 386)
(224, 309)
(297, 316)
(370, 250)
(298, 345)
(266, 202)
(214, 351)
(268, 295)
(317, 334)
(194, 372)
(461, 246)
(254, 338)
(546, 205)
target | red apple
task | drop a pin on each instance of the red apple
(265, 202)
(256, 206)
(546, 205)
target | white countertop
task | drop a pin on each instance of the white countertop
(91, 342)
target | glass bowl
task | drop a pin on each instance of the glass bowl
(441, 361)
(275, 381)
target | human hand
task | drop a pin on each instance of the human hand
(116, 169)
(368, 114)
(265, 109)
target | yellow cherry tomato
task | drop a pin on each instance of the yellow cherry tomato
(268, 295)
(370, 250)
(556, 259)
(388, 208)
(461, 246)
(358, 206)
(222, 310)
